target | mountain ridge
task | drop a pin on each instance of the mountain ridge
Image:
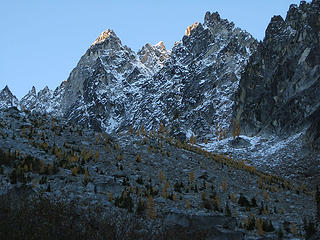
(128, 75)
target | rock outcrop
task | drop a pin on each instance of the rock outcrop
(280, 88)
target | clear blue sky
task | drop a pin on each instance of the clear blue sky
(41, 41)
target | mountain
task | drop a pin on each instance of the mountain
(195, 87)
(188, 88)
(279, 90)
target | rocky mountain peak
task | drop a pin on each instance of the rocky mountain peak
(190, 28)
(7, 99)
(33, 90)
(29, 100)
(160, 46)
(211, 19)
(44, 91)
(154, 57)
(275, 27)
(107, 40)
(105, 35)
(6, 91)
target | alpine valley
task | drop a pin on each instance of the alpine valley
(216, 138)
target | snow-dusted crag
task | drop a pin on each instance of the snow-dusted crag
(193, 92)
(103, 86)
(7, 99)
(45, 101)
(154, 57)
(188, 88)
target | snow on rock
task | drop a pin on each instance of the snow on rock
(154, 57)
(188, 88)
(7, 99)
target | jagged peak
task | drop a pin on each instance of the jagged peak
(213, 20)
(6, 91)
(276, 19)
(33, 90)
(190, 28)
(104, 35)
(276, 24)
(45, 90)
(303, 7)
(210, 18)
(6, 94)
(146, 46)
(157, 47)
(160, 45)
(293, 6)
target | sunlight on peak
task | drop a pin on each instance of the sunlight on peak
(190, 28)
(160, 45)
(103, 36)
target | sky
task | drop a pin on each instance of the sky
(41, 41)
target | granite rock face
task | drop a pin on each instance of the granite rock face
(279, 90)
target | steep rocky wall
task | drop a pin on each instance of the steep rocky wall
(280, 88)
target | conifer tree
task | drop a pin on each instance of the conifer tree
(151, 207)
(235, 128)
(191, 177)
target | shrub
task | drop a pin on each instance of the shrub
(227, 210)
(267, 227)
(138, 158)
(125, 201)
(253, 202)
(151, 207)
(178, 186)
(141, 207)
(161, 176)
(251, 223)
(243, 201)
(139, 180)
